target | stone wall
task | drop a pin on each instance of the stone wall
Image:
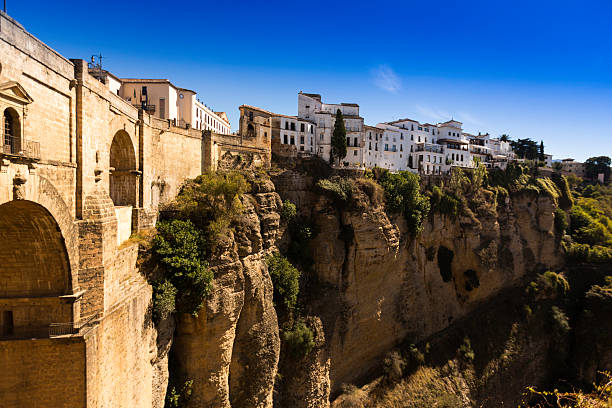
(42, 372)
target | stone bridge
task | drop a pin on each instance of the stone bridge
(80, 170)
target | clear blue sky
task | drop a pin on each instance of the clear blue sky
(538, 69)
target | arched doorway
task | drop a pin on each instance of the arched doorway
(11, 127)
(123, 172)
(33, 264)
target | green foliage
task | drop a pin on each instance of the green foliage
(566, 199)
(179, 398)
(548, 187)
(444, 203)
(180, 249)
(164, 300)
(561, 222)
(525, 148)
(338, 140)
(585, 253)
(211, 201)
(299, 340)
(337, 188)
(302, 231)
(514, 178)
(402, 192)
(465, 350)
(285, 279)
(289, 211)
(596, 165)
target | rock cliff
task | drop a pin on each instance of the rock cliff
(375, 286)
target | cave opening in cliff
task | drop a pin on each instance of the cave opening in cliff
(445, 260)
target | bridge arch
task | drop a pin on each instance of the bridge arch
(33, 257)
(123, 183)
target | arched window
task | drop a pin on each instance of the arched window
(11, 131)
(250, 131)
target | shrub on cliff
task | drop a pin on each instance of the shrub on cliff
(179, 247)
(299, 340)
(288, 212)
(285, 279)
(211, 201)
(561, 223)
(402, 193)
(444, 203)
(337, 188)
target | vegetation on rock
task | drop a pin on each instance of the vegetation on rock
(285, 279)
(299, 340)
(403, 194)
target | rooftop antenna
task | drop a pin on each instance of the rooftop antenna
(5, 6)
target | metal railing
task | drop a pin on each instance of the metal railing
(11, 145)
(70, 328)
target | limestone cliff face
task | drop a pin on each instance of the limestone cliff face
(383, 286)
(376, 286)
(231, 349)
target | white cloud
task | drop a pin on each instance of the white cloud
(469, 118)
(386, 79)
(432, 113)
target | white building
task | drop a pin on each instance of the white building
(403, 144)
(166, 101)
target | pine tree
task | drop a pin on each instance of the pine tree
(338, 141)
(542, 158)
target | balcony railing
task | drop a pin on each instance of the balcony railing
(70, 328)
(13, 147)
(429, 148)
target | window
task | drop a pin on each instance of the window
(375, 146)
(301, 148)
(386, 147)
(402, 136)
(370, 146)
(311, 129)
(301, 139)
(401, 148)
(285, 139)
(301, 127)
(286, 125)
(356, 143)
(265, 134)
(292, 140)
(427, 130)
(419, 139)
(354, 152)
(420, 127)
(292, 125)
(250, 115)
(412, 127)
(412, 138)
(11, 131)
(370, 135)
(348, 141)
(307, 106)
(449, 133)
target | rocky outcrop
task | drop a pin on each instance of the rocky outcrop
(383, 286)
(231, 349)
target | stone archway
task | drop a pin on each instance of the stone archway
(123, 172)
(34, 270)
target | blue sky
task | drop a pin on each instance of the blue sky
(538, 69)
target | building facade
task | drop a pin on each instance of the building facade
(399, 145)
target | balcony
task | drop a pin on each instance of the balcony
(428, 147)
(12, 146)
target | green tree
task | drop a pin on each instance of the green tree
(525, 148)
(597, 165)
(541, 152)
(338, 141)
(504, 138)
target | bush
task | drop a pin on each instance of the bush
(443, 203)
(179, 248)
(179, 398)
(299, 340)
(337, 188)
(465, 350)
(561, 223)
(548, 187)
(302, 231)
(164, 300)
(211, 201)
(289, 211)
(402, 192)
(566, 200)
(285, 279)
